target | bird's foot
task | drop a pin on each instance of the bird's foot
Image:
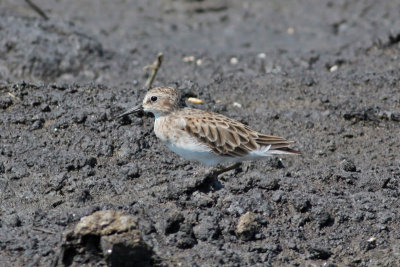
(215, 172)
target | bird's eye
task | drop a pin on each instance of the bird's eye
(153, 98)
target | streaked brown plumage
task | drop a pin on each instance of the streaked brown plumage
(207, 137)
(226, 136)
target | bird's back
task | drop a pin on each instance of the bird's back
(228, 137)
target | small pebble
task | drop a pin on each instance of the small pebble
(333, 68)
(237, 105)
(234, 60)
(189, 59)
(262, 55)
(247, 226)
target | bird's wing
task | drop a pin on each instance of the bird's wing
(229, 137)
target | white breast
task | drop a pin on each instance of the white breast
(171, 132)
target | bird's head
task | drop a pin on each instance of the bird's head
(160, 101)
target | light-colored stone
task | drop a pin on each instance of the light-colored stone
(247, 226)
(105, 223)
(106, 238)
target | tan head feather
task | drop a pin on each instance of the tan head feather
(161, 101)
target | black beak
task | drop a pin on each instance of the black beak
(136, 109)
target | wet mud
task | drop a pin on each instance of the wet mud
(322, 73)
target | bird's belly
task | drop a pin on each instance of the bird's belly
(175, 138)
(206, 157)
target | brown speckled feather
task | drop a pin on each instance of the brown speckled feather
(229, 137)
(207, 137)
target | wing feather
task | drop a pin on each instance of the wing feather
(213, 136)
(229, 137)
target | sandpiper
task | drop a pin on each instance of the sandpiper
(206, 137)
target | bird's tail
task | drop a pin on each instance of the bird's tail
(276, 144)
(284, 150)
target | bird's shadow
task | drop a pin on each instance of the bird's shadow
(210, 184)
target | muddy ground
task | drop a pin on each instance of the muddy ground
(322, 73)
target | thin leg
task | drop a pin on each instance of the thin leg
(217, 172)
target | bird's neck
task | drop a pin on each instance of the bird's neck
(163, 113)
(157, 115)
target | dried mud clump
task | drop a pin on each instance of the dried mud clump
(106, 237)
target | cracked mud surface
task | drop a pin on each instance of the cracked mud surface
(324, 73)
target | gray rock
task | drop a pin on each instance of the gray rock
(207, 229)
(348, 166)
(322, 217)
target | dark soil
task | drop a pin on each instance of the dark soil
(323, 73)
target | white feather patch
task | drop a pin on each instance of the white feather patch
(262, 152)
